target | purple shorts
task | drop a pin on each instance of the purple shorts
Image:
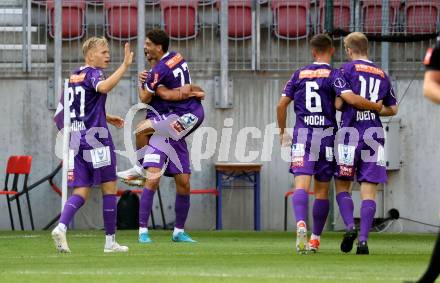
(369, 166)
(312, 156)
(167, 147)
(92, 167)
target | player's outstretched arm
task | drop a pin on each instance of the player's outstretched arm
(431, 86)
(283, 103)
(180, 93)
(361, 103)
(108, 84)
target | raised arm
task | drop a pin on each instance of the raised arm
(107, 85)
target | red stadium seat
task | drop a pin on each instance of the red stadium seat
(372, 15)
(180, 18)
(421, 16)
(341, 14)
(239, 18)
(290, 18)
(121, 19)
(73, 16)
(18, 165)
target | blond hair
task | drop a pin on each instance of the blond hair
(92, 43)
(357, 42)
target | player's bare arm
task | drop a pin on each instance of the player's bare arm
(283, 103)
(339, 102)
(108, 84)
(114, 120)
(181, 93)
(361, 103)
(388, 110)
(431, 86)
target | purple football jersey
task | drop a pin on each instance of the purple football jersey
(87, 105)
(369, 81)
(172, 72)
(311, 90)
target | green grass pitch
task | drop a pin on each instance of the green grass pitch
(226, 256)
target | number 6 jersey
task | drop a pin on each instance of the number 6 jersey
(312, 91)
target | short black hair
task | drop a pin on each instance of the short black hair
(159, 37)
(321, 42)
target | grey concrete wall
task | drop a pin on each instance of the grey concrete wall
(27, 128)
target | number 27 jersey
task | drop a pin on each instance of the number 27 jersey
(311, 89)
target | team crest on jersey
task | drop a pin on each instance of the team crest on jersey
(339, 83)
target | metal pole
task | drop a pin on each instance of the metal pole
(66, 139)
(328, 16)
(224, 79)
(385, 46)
(24, 37)
(29, 38)
(140, 56)
(57, 52)
(254, 35)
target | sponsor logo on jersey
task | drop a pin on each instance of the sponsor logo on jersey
(155, 80)
(77, 78)
(310, 74)
(369, 69)
(176, 59)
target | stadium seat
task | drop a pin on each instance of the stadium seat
(18, 165)
(341, 14)
(179, 18)
(121, 19)
(372, 15)
(421, 16)
(239, 19)
(73, 15)
(290, 18)
(286, 196)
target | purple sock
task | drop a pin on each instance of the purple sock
(346, 208)
(321, 207)
(145, 206)
(368, 209)
(181, 208)
(300, 202)
(109, 210)
(70, 208)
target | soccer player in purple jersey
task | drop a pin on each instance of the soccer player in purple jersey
(171, 155)
(92, 158)
(312, 88)
(361, 152)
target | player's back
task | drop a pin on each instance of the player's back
(178, 75)
(87, 105)
(314, 98)
(370, 82)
